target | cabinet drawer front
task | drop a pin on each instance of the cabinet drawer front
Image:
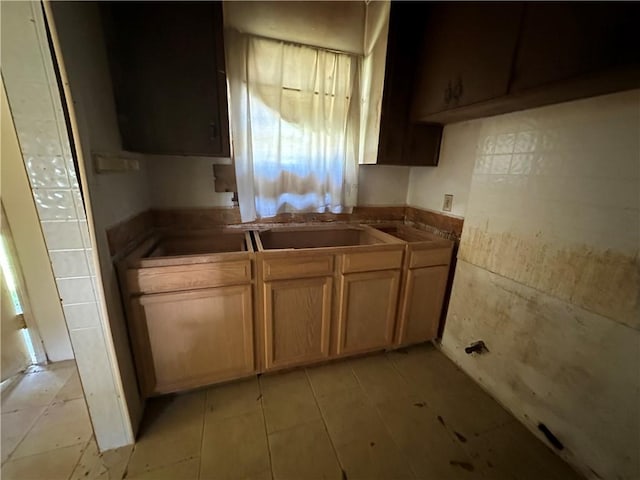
(370, 261)
(297, 266)
(187, 277)
(430, 257)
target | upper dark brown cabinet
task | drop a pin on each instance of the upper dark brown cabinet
(467, 55)
(481, 59)
(560, 41)
(168, 71)
(401, 141)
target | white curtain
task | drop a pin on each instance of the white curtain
(295, 126)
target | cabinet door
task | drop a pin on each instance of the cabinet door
(367, 311)
(467, 55)
(406, 20)
(167, 65)
(422, 304)
(297, 319)
(194, 338)
(565, 40)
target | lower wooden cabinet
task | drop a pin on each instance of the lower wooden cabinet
(421, 304)
(297, 320)
(367, 310)
(194, 338)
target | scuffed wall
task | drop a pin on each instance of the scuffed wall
(548, 275)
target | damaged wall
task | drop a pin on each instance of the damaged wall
(548, 275)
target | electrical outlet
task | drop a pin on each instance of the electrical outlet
(448, 202)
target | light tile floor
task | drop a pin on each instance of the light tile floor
(407, 414)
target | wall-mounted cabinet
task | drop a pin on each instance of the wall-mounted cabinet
(466, 55)
(486, 59)
(401, 141)
(168, 74)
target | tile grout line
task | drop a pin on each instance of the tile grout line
(466, 448)
(204, 420)
(324, 423)
(84, 449)
(384, 424)
(45, 408)
(451, 433)
(264, 423)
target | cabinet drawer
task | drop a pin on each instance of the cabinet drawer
(429, 257)
(297, 266)
(370, 261)
(187, 277)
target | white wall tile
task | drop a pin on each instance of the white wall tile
(548, 274)
(71, 263)
(76, 290)
(62, 234)
(79, 205)
(82, 315)
(47, 172)
(54, 204)
(38, 137)
(98, 384)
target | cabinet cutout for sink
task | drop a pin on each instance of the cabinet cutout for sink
(316, 237)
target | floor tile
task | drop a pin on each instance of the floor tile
(71, 390)
(15, 426)
(424, 441)
(234, 447)
(303, 452)
(457, 399)
(35, 389)
(185, 470)
(234, 399)
(332, 378)
(109, 465)
(512, 451)
(171, 432)
(61, 425)
(350, 416)
(287, 400)
(379, 378)
(372, 458)
(52, 465)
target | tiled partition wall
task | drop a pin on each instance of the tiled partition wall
(548, 275)
(36, 107)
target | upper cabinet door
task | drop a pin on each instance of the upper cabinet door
(467, 55)
(561, 41)
(168, 69)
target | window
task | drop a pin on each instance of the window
(294, 117)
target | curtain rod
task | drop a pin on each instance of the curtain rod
(297, 44)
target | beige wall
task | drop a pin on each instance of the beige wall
(382, 185)
(338, 26)
(548, 274)
(428, 185)
(184, 182)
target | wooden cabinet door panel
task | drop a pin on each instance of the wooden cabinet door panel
(297, 321)
(196, 338)
(367, 310)
(422, 303)
(562, 40)
(467, 56)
